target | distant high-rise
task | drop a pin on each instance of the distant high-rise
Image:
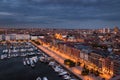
(106, 30)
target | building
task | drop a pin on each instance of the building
(112, 65)
(108, 66)
(1, 37)
(7, 37)
(13, 36)
(96, 59)
(106, 30)
(26, 36)
(71, 39)
(33, 37)
(22, 37)
(84, 55)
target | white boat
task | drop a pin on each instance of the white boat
(73, 79)
(2, 56)
(57, 69)
(35, 60)
(66, 77)
(45, 78)
(28, 62)
(32, 65)
(5, 51)
(38, 78)
(61, 70)
(31, 49)
(22, 50)
(24, 62)
(42, 59)
(51, 63)
(38, 53)
(63, 73)
(14, 50)
(31, 53)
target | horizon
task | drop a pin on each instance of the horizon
(69, 14)
(35, 26)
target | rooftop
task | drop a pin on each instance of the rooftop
(101, 52)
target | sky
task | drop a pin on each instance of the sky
(61, 13)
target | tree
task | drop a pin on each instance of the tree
(69, 62)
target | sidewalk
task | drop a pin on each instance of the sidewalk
(60, 58)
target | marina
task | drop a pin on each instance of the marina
(23, 61)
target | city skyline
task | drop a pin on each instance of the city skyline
(61, 13)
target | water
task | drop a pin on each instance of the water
(13, 69)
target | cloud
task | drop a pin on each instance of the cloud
(6, 14)
(56, 12)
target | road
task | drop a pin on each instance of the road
(61, 57)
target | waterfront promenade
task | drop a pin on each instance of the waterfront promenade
(61, 57)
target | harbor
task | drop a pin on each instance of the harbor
(24, 61)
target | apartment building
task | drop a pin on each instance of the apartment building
(1, 37)
(112, 65)
(96, 61)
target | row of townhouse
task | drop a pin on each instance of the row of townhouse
(112, 65)
(8, 37)
(99, 60)
(102, 61)
(1, 37)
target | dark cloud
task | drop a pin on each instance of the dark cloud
(61, 12)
